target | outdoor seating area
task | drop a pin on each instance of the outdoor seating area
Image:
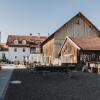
(65, 68)
(94, 66)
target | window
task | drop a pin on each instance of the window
(16, 42)
(15, 57)
(23, 49)
(37, 50)
(33, 50)
(15, 49)
(20, 42)
(24, 42)
(78, 22)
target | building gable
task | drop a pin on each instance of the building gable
(78, 26)
(81, 44)
(68, 40)
(63, 28)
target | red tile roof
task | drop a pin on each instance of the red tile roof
(36, 39)
(87, 43)
(3, 47)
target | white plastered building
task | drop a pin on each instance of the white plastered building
(20, 47)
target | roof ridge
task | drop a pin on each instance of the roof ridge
(28, 35)
(78, 14)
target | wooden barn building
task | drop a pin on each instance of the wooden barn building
(80, 50)
(77, 27)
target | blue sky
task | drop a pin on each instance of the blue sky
(23, 17)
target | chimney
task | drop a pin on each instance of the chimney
(38, 34)
(30, 34)
(48, 34)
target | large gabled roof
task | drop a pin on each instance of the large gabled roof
(79, 14)
(3, 47)
(12, 38)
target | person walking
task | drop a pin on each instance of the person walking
(27, 61)
(24, 60)
(31, 61)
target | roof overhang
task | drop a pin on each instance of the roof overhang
(72, 42)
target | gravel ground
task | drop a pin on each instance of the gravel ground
(53, 86)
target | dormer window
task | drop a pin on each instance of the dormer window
(20, 42)
(24, 42)
(78, 22)
(16, 42)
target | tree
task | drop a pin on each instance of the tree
(3, 57)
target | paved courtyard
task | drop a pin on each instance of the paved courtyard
(5, 75)
(53, 86)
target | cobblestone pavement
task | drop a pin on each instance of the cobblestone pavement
(53, 86)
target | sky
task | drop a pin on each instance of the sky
(22, 17)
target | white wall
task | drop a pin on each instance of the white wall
(4, 52)
(19, 53)
(37, 58)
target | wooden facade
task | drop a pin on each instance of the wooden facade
(48, 51)
(89, 56)
(78, 26)
(75, 51)
(69, 53)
